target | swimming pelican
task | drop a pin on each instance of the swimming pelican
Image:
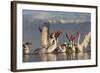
(44, 35)
(79, 47)
(72, 42)
(26, 48)
(53, 42)
(63, 47)
(70, 47)
(44, 39)
(87, 40)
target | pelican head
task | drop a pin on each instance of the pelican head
(57, 34)
(26, 48)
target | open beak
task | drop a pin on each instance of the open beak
(57, 34)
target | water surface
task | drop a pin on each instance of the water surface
(56, 57)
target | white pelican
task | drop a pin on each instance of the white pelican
(39, 51)
(44, 35)
(61, 48)
(70, 48)
(72, 42)
(53, 42)
(87, 40)
(26, 48)
(44, 39)
(79, 47)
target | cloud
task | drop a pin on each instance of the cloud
(41, 16)
(55, 17)
(64, 21)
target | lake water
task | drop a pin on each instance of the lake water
(57, 57)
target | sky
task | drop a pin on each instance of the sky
(54, 16)
(67, 22)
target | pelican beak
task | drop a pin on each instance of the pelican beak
(28, 43)
(57, 34)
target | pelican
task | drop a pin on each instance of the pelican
(70, 48)
(87, 40)
(44, 35)
(79, 47)
(53, 42)
(63, 47)
(44, 39)
(26, 48)
(72, 42)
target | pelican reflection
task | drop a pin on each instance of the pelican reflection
(26, 58)
(48, 57)
(56, 57)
